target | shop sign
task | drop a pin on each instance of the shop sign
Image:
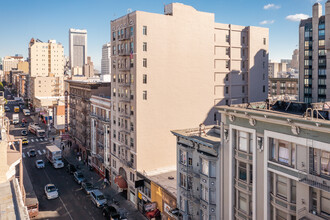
(150, 206)
(139, 195)
(167, 209)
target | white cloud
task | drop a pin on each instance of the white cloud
(271, 6)
(296, 17)
(267, 22)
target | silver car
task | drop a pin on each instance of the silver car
(98, 198)
(40, 164)
(51, 191)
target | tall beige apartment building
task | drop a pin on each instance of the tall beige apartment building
(46, 61)
(314, 54)
(168, 72)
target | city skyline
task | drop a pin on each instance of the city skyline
(44, 23)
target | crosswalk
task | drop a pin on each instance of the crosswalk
(37, 139)
(11, 102)
(39, 152)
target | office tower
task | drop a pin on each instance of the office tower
(166, 69)
(106, 61)
(314, 46)
(275, 161)
(77, 47)
(89, 68)
(295, 60)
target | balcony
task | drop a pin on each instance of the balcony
(314, 180)
(124, 98)
(124, 83)
(124, 37)
(123, 53)
(282, 203)
(124, 68)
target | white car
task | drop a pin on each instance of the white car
(40, 164)
(98, 198)
(51, 191)
(58, 164)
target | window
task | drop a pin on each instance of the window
(114, 163)
(243, 202)
(283, 153)
(325, 203)
(190, 161)
(227, 38)
(243, 40)
(243, 141)
(281, 186)
(321, 43)
(228, 51)
(263, 53)
(205, 167)
(293, 191)
(131, 31)
(183, 180)
(145, 95)
(144, 46)
(243, 87)
(183, 157)
(243, 77)
(204, 193)
(132, 49)
(131, 176)
(226, 78)
(264, 41)
(263, 65)
(144, 62)
(114, 133)
(226, 90)
(243, 64)
(113, 35)
(114, 148)
(242, 172)
(243, 52)
(144, 78)
(227, 64)
(263, 88)
(114, 92)
(227, 102)
(144, 30)
(280, 215)
(325, 163)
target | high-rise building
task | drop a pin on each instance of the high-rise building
(77, 47)
(314, 49)
(277, 69)
(46, 58)
(89, 68)
(274, 161)
(46, 75)
(295, 60)
(177, 69)
(9, 63)
(106, 61)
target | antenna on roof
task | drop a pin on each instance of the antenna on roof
(129, 10)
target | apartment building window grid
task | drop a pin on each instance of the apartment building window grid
(145, 46)
(144, 30)
(308, 63)
(144, 62)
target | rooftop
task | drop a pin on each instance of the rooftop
(166, 180)
(209, 135)
(315, 112)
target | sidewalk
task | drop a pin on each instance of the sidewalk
(110, 193)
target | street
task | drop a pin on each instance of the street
(72, 203)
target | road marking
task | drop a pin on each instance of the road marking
(41, 139)
(59, 196)
(44, 151)
(23, 154)
(28, 154)
(32, 140)
(39, 152)
(46, 139)
(36, 140)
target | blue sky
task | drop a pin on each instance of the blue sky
(51, 19)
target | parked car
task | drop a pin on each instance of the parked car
(58, 164)
(32, 153)
(87, 187)
(110, 211)
(78, 177)
(25, 141)
(40, 164)
(7, 109)
(24, 132)
(98, 198)
(71, 168)
(51, 191)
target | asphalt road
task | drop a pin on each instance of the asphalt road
(72, 203)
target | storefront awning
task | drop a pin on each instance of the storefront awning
(121, 182)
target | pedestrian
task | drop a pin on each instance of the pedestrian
(104, 182)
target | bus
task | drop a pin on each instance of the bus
(16, 109)
(34, 129)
